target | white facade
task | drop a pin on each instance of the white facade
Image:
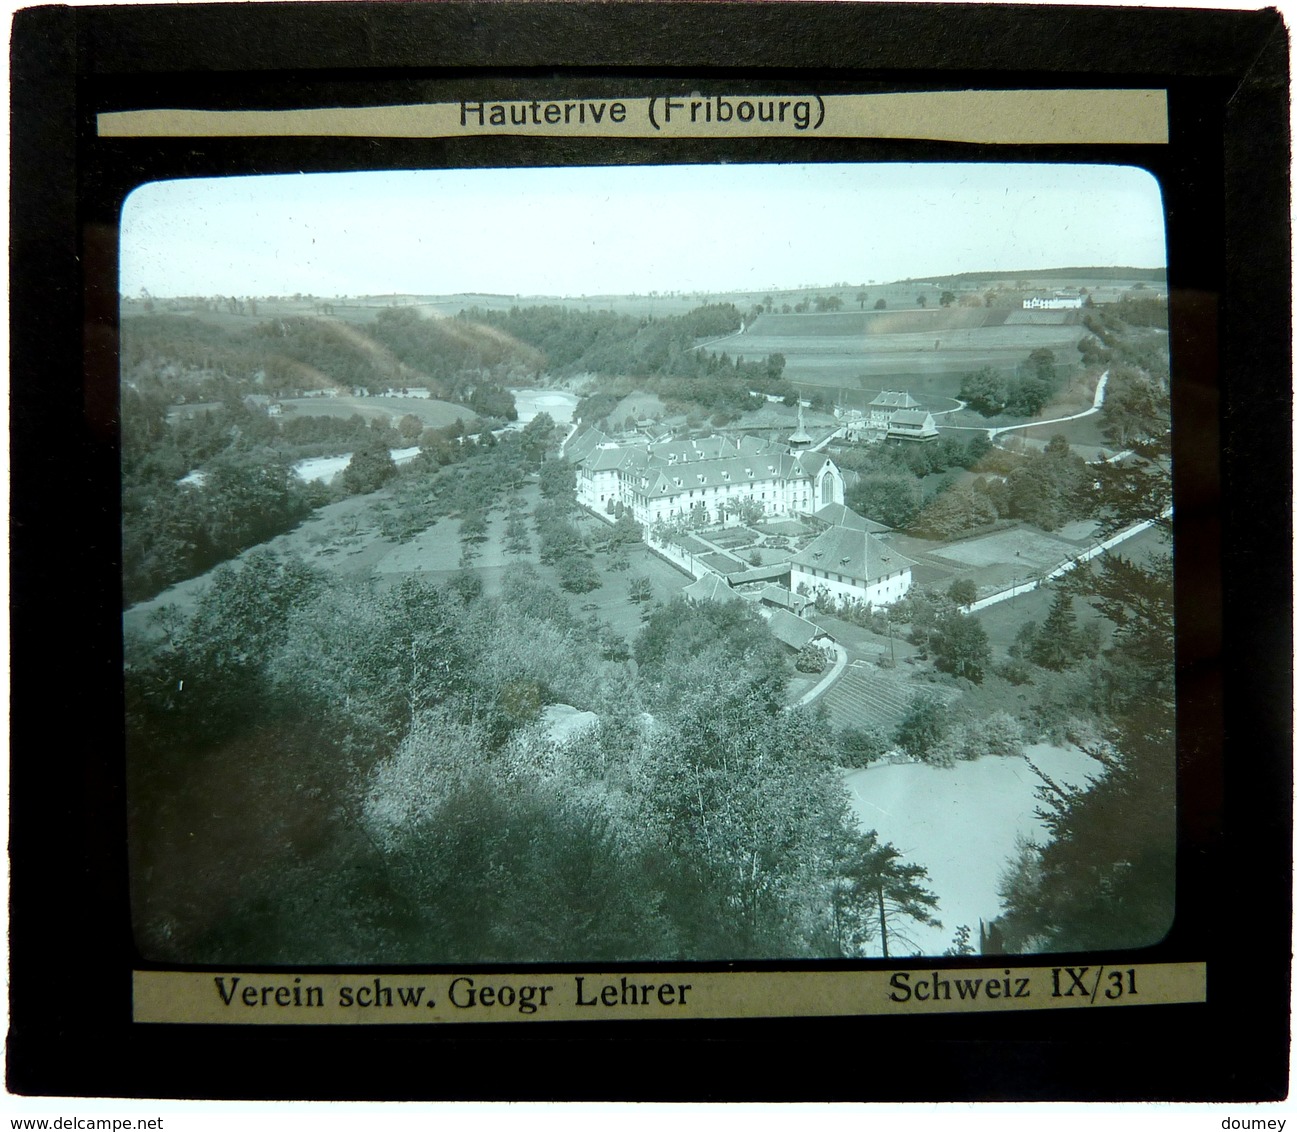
(885, 405)
(881, 591)
(1057, 302)
(711, 478)
(846, 564)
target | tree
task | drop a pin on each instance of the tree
(558, 481)
(491, 401)
(576, 573)
(1136, 489)
(1055, 646)
(954, 512)
(881, 305)
(1042, 362)
(923, 727)
(538, 437)
(370, 467)
(1106, 879)
(961, 647)
(472, 527)
(1137, 599)
(1135, 408)
(639, 589)
(947, 298)
(922, 300)
(812, 658)
(626, 531)
(962, 943)
(985, 390)
(751, 511)
(962, 591)
(862, 298)
(410, 428)
(877, 895)
(892, 498)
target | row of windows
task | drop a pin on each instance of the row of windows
(829, 576)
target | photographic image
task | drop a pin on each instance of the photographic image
(657, 563)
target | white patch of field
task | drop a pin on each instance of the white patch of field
(960, 823)
(1080, 530)
(1005, 548)
(430, 411)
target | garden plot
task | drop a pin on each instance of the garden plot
(784, 527)
(869, 697)
(961, 823)
(722, 564)
(728, 540)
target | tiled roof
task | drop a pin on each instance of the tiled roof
(607, 459)
(796, 632)
(840, 515)
(783, 596)
(890, 400)
(657, 478)
(812, 462)
(581, 445)
(853, 554)
(710, 587)
(918, 417)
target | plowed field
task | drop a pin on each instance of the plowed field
(866, 696)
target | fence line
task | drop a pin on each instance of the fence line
(1071, 563)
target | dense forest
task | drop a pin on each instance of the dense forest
(321, 771)
(449, 356)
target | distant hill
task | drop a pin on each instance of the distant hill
(1097, 274)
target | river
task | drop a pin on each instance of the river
(324, 468)
(559, 404)
(961, 823)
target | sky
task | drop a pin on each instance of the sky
(619, 230)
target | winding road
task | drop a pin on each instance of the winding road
(1100, 391)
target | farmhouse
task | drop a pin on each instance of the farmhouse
(912, 424)
(883, 407)
(708, 478)
(1058, 301)
(847, 564)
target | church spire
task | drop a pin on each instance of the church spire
(801, 436)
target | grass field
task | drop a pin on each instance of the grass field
(433, 414)
(924, 351)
